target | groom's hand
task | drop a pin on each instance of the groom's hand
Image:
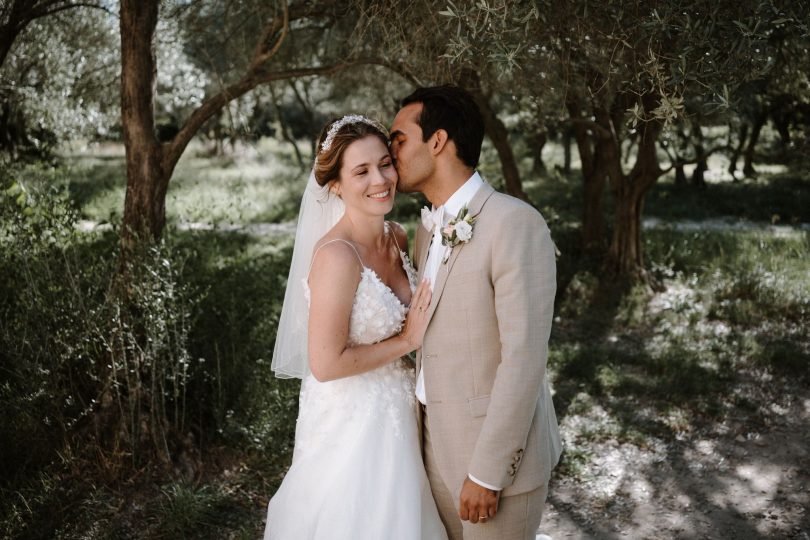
(477, 502)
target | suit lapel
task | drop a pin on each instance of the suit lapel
(476, 204)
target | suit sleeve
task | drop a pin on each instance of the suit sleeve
(524, 284)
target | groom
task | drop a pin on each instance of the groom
(490, 436)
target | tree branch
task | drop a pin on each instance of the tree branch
(400, 68)
(174, 148)
(675, 161)
(36, 13)
(600, 131)
(262, 54)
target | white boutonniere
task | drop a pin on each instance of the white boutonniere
(458, 230)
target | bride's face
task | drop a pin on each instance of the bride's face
(368, 180)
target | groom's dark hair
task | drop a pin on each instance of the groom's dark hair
(452, 109)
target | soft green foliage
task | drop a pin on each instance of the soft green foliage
(627, 363)
(61, 79)
(52, 287)
(614, 51)
(209, 303)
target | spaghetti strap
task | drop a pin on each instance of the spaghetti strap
(331, 242)
(393, 234)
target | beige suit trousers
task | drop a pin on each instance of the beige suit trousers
(518, 516)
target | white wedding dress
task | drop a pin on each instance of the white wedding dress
(357, 470)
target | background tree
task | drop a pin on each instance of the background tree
(17, 15)
(150, 163)
(417, 41)
(59, 81)
(626, 70)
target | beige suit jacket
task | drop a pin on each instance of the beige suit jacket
(485, 350)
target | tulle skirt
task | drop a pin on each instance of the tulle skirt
(357, 470)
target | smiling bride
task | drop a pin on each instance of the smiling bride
(351, 311)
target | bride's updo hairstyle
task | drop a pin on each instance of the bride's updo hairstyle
(335, 137)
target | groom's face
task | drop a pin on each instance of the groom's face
(411, 154)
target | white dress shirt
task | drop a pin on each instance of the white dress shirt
(435, 257)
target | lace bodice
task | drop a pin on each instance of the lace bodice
(377, 313)
(385, 393)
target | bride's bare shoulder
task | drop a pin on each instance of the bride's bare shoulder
(335, 255)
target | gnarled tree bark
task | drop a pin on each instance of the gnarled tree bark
(150, 164)
(625, 255)
(497, 133)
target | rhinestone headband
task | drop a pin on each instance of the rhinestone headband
(346, 120)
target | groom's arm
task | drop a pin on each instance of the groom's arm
(524, 283)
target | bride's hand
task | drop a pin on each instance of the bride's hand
(417, 320)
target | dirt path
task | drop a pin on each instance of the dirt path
(747, 477)
(288, 227)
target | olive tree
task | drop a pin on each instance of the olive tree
(624, 70)
(259, 34)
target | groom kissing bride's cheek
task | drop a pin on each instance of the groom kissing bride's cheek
(489, 432)
(462, 447)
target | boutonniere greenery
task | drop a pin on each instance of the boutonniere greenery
(458, 230)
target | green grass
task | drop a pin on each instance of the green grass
(264, 185)
(782, 198)
(628, 363)
(636, 365)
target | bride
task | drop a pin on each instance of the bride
(357, 470)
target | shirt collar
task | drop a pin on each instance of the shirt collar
(462, 195)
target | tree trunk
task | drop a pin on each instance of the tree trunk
(701, 158)
(698, 175)
(680, 174)
(756, 129)
(593, 220)
(285, 133)
(625, 256)
(497, 133)
(783, 127)
(781, 111)
(566, 142)
(591, 151)
(147, 176)
(149, 163)
(303, 101)
(538, 143)
(737, 151)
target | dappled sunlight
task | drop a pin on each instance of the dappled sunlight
(695, 485)
(674, 405)
(674, 397)
(242, 188)
(756, 481)
(665, 144)
(254, 184)
(797, 231)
